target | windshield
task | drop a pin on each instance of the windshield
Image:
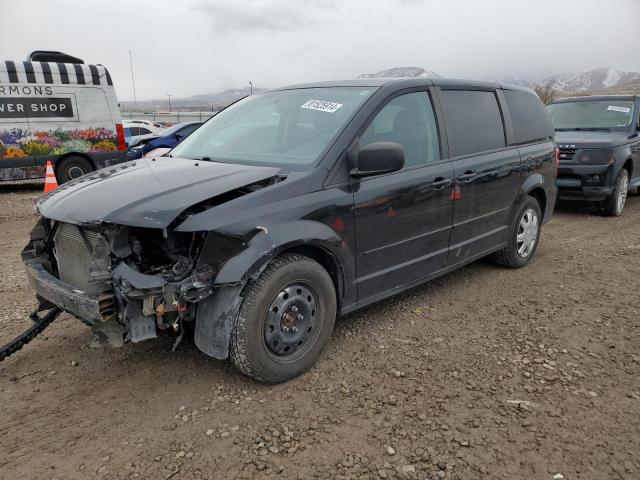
(592, 115)
(288, 127)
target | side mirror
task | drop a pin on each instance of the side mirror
(378, 158)
(179, 136)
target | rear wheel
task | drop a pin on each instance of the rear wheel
(285, 321)
(614, 205)
(72, 167)
(524, 237)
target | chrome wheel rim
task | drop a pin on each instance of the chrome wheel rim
(622, 193)
(527, 235)
(290, 322)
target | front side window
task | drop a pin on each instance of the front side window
(592, 115)
(408, 120)
(286, 127)
(474, 121)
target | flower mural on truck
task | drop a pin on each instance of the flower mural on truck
(18, 142)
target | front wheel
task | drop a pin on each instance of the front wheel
(285, 321)
(613, 206)
(524, 236)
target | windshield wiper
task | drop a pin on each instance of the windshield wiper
(584, 129)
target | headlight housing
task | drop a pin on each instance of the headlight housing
(599, 155)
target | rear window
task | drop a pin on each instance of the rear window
(528, 117)
(474, 122)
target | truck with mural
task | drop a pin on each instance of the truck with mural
(54, 107)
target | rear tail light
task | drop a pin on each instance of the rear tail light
(556, 153)
(120, 132)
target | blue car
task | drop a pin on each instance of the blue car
(168, 138)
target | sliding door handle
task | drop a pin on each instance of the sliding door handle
(440, 183)
(468, 175)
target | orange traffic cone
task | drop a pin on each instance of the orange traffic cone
(50, 181)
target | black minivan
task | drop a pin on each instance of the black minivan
(294, 206)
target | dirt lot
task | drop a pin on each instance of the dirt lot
(485, 373)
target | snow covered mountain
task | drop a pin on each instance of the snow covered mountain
(599, 80)
(415, 72)
(594, 80)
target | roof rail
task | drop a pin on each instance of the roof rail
(52, 56)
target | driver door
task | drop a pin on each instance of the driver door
(403, 219)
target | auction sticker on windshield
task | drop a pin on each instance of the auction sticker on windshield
(615, 108)
(321, 106)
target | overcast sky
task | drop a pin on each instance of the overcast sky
(190, 47)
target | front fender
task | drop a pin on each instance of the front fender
(270, 240)
(249, 258)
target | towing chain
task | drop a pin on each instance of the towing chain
(39, 324)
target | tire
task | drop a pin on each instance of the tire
(613, 206)
(524, 236)
(267, 343)
(72, 167)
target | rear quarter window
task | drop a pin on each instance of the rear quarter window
(529, 118)
(473, 120)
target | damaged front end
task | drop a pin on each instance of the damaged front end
(130, 284)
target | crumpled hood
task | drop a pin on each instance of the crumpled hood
(575, 139)
(146, 192)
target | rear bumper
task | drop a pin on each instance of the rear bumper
(68, 298)
(584, 182)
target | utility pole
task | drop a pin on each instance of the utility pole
(250, 88)
(169, 102)
(133, 81)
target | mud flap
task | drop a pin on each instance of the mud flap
(214, 320)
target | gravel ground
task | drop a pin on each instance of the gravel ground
(485, 373)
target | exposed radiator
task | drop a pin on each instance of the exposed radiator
(74, 255)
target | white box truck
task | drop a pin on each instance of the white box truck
(55, 107)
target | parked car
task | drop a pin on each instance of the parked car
(599, 143)
(136, 133)
(153, 126)
(293, 206)
(65, 112)
(167, 138)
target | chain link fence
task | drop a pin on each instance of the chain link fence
(169, 117)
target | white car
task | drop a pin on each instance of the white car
(136, 132)
(154, 126)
